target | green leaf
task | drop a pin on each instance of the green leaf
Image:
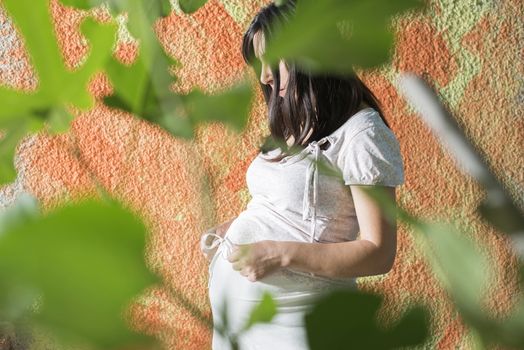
(280, 2)
(25, 208)
(87, 262)
(346, 319)
(503, 214)
(190, 6)
(347, 33)
(177, 125)
(160, 8)
(144, 88)
(129, 85)
(34, 22)
(8, 143)
(81, 4)
(101, 39)
(25, 112)
(263, 312)
(451, 253)
(56, 84)
(154, 8)
(59, 121)
(231, 107)
(465, 273)
(455, 256)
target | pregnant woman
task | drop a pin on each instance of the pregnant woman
(305, 231)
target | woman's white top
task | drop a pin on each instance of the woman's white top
(296, 200)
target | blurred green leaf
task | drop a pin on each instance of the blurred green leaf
(231, 107)
(155, 8)
(464, 271)
(451, 254)
(13, 131)
(346, 319)
(190, 6)
(82, 4)
(41, 43)
(455, 256)
(24, 209)
(177, 125)
(262, 312)
(56, 84)
(503, 214)
(8, 143)
(498, 208)
(57, 87)
(59, 120)
(143, 88)
(280, 2)
(335, 35)
(87, 261)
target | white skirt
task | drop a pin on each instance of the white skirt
(294, 295)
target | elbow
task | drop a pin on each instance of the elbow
(385, 257)
(388, 263)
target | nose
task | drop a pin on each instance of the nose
(265, 75)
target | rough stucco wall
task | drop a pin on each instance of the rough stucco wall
(471, 51)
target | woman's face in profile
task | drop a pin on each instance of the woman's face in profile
(266, 77)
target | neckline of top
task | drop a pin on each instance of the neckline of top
(296, 157)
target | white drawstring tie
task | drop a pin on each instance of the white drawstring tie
(226, 245)
(309, 202)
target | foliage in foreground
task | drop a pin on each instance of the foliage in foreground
(87, 258)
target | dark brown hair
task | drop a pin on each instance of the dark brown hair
(322, 102)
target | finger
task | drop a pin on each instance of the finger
(233, 257)
(249, 274)
(235, 254)
(248, 271)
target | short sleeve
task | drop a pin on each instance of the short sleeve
(371, 157)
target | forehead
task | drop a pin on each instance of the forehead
(259, 43)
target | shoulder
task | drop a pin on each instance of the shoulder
(366, 126)
(361, 122)
(368, 151)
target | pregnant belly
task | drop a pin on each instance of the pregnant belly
(294, 293)
(250, 227)
(234, 294)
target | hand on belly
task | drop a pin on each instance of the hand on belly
(256, 260)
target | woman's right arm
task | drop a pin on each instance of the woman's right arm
(221, 231)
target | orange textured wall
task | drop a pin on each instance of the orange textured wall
(472, 52)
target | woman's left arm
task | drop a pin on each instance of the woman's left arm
(373, 254)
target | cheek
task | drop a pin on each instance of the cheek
(285, 79)
(284, 74)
